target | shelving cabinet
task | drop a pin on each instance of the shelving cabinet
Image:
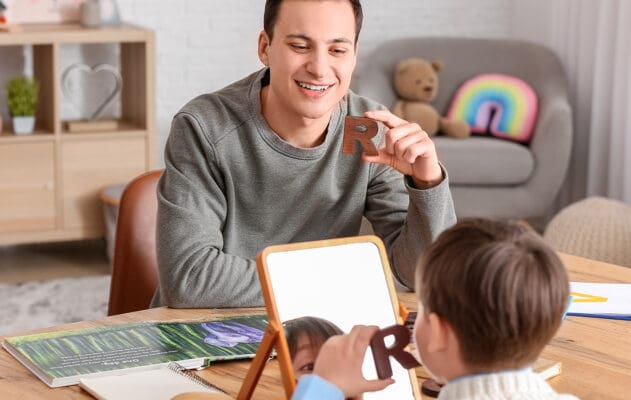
(50, 181)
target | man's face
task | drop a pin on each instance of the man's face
(311, 58)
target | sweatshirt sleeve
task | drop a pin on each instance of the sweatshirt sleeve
(194, 271)
(407, 219)
(312, 387)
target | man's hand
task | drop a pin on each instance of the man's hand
(408, 149)
(340, 362)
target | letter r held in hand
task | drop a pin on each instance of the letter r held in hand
(362, 130)
(381, 353)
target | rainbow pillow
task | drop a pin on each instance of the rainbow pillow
(500, 105)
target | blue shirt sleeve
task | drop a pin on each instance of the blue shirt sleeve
(312, 387)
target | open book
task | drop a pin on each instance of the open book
(600, 300)
(62, 358)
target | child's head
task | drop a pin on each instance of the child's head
(492, 294)
(305, 336)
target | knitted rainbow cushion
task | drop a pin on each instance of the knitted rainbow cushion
(500, 105)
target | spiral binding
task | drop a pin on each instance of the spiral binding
(173, 366)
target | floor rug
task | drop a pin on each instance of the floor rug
(38, 304)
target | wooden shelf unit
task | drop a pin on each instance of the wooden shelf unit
(50, 181)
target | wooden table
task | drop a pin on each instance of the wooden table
(595, 353)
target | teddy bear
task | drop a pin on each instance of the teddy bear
(416, 85)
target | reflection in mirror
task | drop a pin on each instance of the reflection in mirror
(305, 336)
(343, 281)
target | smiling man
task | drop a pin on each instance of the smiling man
(260, 163)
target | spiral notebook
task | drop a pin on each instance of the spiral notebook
(156, 384)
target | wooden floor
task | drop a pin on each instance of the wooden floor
(19, 263)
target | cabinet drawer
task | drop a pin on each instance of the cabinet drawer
(87, 167)
(27, 188)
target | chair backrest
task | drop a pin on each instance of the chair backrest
(135, 271)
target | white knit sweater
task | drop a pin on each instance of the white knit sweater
(507, 385)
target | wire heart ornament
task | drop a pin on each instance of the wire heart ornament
(68, 84)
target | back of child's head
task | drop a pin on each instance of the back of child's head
(499, 286)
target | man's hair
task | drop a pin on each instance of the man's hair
(318, 330)
(499, 286)
(272, 8)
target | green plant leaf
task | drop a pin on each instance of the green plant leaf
(22, 93)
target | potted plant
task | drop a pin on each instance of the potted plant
(22, 95)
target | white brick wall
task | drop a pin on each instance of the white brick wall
(202, 45)
(11, 64)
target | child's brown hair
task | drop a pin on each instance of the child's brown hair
(499, 286)
(318, 330)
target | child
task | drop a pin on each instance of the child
(491, 296)
(305, 336)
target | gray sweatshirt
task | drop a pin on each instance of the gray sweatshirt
(232, 187)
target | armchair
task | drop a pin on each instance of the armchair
(489, 177)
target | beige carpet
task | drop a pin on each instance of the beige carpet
(38, 304)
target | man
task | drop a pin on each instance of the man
(259, 163)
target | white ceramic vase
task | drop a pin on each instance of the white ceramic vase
(91, 13)
(23, 125)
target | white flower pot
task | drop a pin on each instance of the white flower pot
(23, 125)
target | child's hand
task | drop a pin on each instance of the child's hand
(340, 362)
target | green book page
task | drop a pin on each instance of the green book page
(108, 348)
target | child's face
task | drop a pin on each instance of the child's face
(304, 358)
(425, 338)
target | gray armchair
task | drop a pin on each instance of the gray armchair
(489, 177)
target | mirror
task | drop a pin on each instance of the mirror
(345, 281)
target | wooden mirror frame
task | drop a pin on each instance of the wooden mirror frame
(275, 336)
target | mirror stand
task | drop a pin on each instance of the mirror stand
(271, 340)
